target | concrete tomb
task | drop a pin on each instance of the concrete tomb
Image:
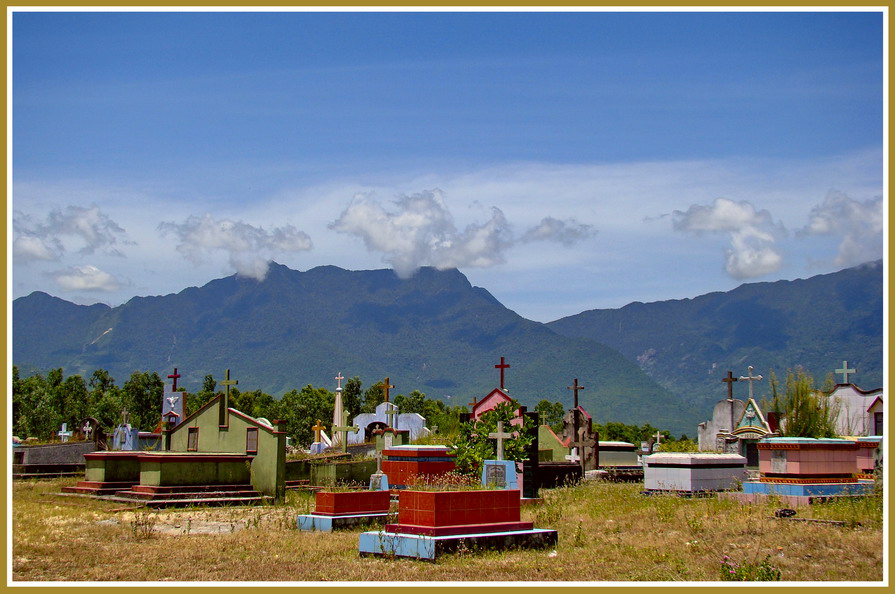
(800, 470)
(346, 509)
(431, 523)
(407, 464)
(693, 473)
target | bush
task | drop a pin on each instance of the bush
(731, 571)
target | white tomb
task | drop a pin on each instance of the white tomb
(693, 472)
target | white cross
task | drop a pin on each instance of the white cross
(500, 436)
(339, 379)
(750, 378)
(574, 457)
(845, 371)
(64, 433)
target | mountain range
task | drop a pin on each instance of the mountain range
(658, 363)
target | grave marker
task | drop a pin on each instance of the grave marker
(174, 376)
(64, 433)
(500, 436)
(385, 388)
(344, 430)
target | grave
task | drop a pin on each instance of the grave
(802, 470)
(216, 449)
(406, 464)
(431, 523)
(346, 509)
(692, 473)
(500, 473)
(619, 461)
(50, 460)
(388, 415)
(869, 456)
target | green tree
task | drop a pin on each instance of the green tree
(142, 395)
(351, 397)
(802, 410)
(473, 446)
(373, 396)
(302, 409)
(76, 399)
(550, 413)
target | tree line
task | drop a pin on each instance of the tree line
(42, 403)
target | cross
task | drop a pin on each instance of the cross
(174, 376)
(317, 429)
(390, 412)
(729, 381)
(473, 403)
(344, 429)
(845, 371)
(229, 382)
(64, 433)
(573, 456)
(339, 379)
(385, 389)
(223, 415)
(378, 456)
(575, 388)
(87, 429)
(503, 366)
(500, 436)
(750, 378)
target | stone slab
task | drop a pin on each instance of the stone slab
(415, 546)
(312, 522)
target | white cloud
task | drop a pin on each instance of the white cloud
(249, 249)
(753, 234)
(88, 227)
(420, 231)
(87, 278)
(30, 248)
(859, 223)
(567, 232)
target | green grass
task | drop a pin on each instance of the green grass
(607, 532)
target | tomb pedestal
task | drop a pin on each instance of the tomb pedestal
(406, 464)
(346, 509)
(499, 474)
(434, 522)
(692, 472)
(802, 470)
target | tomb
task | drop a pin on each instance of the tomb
(860, 411)
(217, 448)
(431, 523)
(50, 460)
(346, 509)
(407, 464)
(802, 470)
(692, 472)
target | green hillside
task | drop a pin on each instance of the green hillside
(688, 345)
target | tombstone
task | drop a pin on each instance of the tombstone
(499, 474)
(692, 472)
(585, 440)
(64, 433)
(378, 480)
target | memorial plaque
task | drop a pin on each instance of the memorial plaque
(496, 476)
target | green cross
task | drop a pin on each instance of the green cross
(390, 412)
(344, 431)
(222, 417)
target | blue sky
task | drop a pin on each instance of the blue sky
(563, 161)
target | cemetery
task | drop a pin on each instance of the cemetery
(367, 493)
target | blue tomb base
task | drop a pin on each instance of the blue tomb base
(311, 522)
(808, 489)
(417, 546)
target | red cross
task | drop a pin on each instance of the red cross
(729, 381)
(502, 367)
(174, 376)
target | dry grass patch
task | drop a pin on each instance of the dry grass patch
(607, 532)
